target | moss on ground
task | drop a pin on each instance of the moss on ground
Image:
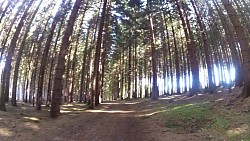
(201, 117)
(187, 118)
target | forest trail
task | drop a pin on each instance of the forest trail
(132, 120)
(114, 121)
(111, 121)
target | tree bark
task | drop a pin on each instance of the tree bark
(19, 56)
(244, 44)
(203, 32)
(58, 87)
(95, 85)
(7, 67)
(45, 54)
(155, 92)
(5, 10)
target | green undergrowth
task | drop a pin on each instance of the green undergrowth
(200, 117)
(187, 118)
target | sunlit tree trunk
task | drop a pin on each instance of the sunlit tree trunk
(232, 44)
(191, 47)
(244, 44)
(177, 64)
(58, 87)
(165, 56)
(8, 35)
(184, 65)
(95, 85)
(169, 61)
(52, 63)
(129, 68)
(5, 10)
(135, 69)
(245, 17)
(145, 62)
(89, 81)
(155, 92)
(45, 53)
(86, 49)
(107, 43)
(209, 62)
(7, 67)
(19, 55)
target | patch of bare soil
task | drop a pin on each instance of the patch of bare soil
(135, 120)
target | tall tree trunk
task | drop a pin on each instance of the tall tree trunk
(170, 69)
(95, 85)
(19, 55)
(164, 47)
(177, 63)
(45, 53)
(206, 49)
(86, 49)
(89, 81)
(244, 44)
(58, 87)
(155, 92)
(74, 56)
(48, 101)
(7, 67)
(135, 69)
(191, 51)
(4, 43)
(5, 10)
(184, 66)
(129, 68)
(231, 42)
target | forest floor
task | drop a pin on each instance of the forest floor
(203, 117)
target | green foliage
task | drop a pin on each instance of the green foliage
(191, 117)
(200, 117)
(220, 123)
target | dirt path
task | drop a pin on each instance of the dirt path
(112, 121)
(135, 120)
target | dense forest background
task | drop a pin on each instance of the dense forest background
(55, 52)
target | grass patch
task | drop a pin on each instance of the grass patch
(193, 117)
(187, 118)
(223, 124)
(219, 123)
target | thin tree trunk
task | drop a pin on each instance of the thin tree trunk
(56, 19)
(4, 43)
(19, 56)
(177, 64)
(129, 69)
(170, 69)
(7, 67)
(155, 92)
(5, 10)
(95, 85)
(86, 49)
